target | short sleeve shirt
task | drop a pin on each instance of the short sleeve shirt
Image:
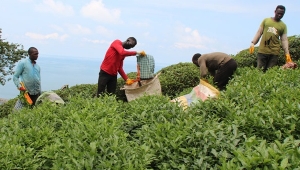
(272, 31)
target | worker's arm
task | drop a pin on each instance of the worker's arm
(257, 35)
(285, 43)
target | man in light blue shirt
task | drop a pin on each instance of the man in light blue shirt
(28, 72)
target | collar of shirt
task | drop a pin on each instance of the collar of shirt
(32, 61)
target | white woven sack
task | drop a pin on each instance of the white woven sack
(148, 87)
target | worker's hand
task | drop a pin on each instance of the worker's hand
(288, 58)
(22, 89)
(288, 65)
(251, 49)
(142, 53)
(129, 81)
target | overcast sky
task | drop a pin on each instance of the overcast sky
(171, 30)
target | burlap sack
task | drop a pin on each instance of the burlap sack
(148, 87)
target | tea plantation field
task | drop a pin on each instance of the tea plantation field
(254, 124)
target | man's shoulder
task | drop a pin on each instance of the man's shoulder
(117, 41)
(216, 54)
(267, 18)
(282, 23)
(22, 61)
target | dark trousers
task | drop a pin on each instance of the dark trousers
(265, 61)
(224, 74)
(34, 98)
(108, 81)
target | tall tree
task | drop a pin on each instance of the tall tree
(10, 54)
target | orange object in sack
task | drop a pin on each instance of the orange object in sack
(26, 95)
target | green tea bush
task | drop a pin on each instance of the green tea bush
(245, 59)
(150, 133)
(252, 125)
(268, 101)
(84, 134)
(7, 107)
(83, 90)
(258, 154)
(175, 78)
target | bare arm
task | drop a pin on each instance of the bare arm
(285, 43)
(257, 35)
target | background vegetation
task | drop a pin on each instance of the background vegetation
(10, 53)
(253, 125)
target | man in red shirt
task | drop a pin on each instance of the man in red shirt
(113, 64)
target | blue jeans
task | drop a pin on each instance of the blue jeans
(265, 61)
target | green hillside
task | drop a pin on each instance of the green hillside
(254, 124)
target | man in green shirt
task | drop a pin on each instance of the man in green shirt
(272, 30)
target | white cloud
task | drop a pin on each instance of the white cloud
(57, 28)
(96, 41)
(53, 36)
(97, 11)
(72, 28)
(103, 31)
(63, 37)
(78, 29)
(55, 7)
(190, 38)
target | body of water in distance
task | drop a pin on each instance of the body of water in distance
(58, 71)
